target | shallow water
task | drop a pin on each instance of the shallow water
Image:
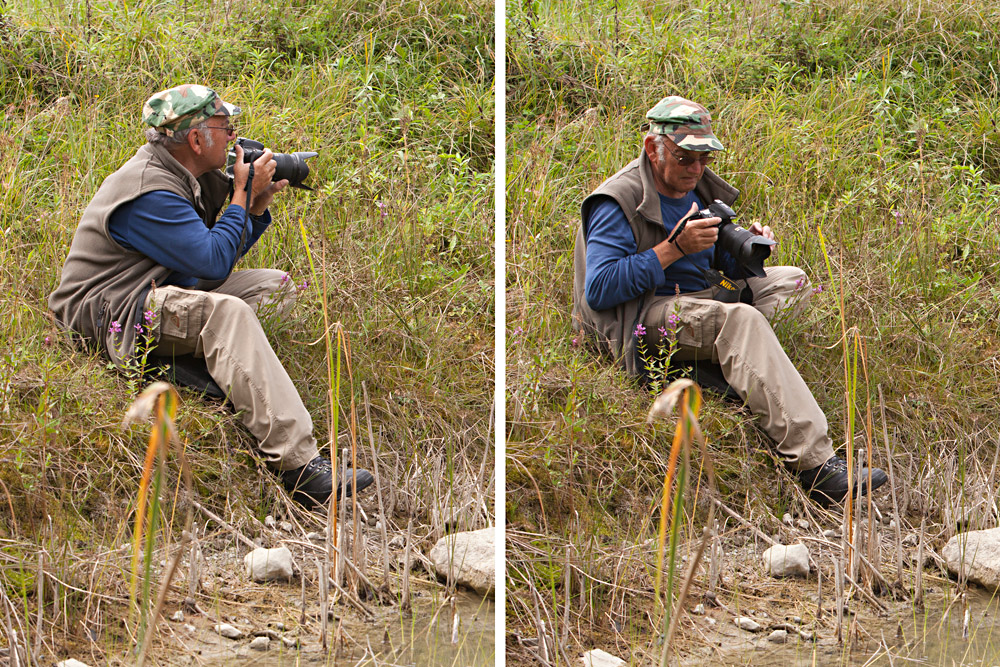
(931, 636)
(423, 637)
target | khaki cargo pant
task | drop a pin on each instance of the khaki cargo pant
(221, 326)
(739, 337)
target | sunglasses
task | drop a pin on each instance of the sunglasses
(687, 160)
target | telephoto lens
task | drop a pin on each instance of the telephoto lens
(749, 250)
(291, 166)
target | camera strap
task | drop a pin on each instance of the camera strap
(727, 289)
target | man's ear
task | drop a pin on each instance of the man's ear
(195, 141)
(649, 145)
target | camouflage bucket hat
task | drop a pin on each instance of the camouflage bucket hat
(686, 123)
(181, 107)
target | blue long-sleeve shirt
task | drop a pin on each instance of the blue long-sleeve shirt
(617, 272)
(166, 228)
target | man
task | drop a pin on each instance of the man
(152, 257)
(634, 278)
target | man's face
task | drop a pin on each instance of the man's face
(220, 131)
(678, 171)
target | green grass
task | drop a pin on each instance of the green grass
(398, 101)
(874, 124)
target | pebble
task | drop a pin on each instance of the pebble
(747, 623)
(228, 631)
(831, 534)
(260, 644)
(189, 627)
(315, 537)
(787, 519)
(280, 627)
(699, 610)
(711, 621)
(892, 525)
(803, 524)
(797, 620)
(286, 526)
(778, 637)
(269, 521)
(72, 662)
(178, 616)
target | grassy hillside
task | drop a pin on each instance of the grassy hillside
(870, 127)
(398, 101)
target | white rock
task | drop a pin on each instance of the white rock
(711, 621)
(269, 521)
(189, 627)
(803, 524)
(977, 553)
(470, 556)
(260, 643)
(787, 519)
(831, 534)
(599, 658)
(178, 616)
(787, 561)
(228, 631)
(279, 626)
(778, 637)
(699, 610)
(316, 537)
(747, 623)
(71, 662)
(269, 564)
(285, 526)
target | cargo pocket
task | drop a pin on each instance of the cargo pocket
(179, 314)
(698, 326)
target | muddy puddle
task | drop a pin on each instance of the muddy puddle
(938, 634)
(429, 635)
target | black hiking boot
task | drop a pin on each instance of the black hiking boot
(312, 484)
(827, 484)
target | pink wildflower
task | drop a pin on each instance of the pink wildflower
(115, 327)
(639, 330)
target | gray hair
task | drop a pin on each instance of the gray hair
(661, 145)
(153, 136)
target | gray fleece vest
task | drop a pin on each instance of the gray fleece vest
(104, 283)
(634, 191)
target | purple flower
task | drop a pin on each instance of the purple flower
(285, 278)
(383, 209)
(47, 341)
(673, 319)
(138, 327)
(115, 327)
(148, 316)
(898, 215)
(800, 282)
(663, 332)
(818, 289)
(639, 330)
(576, 341)
(304, 285)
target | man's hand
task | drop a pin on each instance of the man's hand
(764, 231)
(697, 235)
(262, 190)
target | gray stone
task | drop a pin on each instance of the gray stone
(270, 564)
(599, 658)
(470, 556)
(787, 519)
(73, 662)
(228, 631)
(787, 561)
(977, 553)
(778, 636)
(178, 616)
(831, 534)
(747, 623)
(269, 521)
(699, 609)
(260, 643)
(803, 524)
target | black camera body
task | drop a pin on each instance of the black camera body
(749, 250)
(289, 165)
